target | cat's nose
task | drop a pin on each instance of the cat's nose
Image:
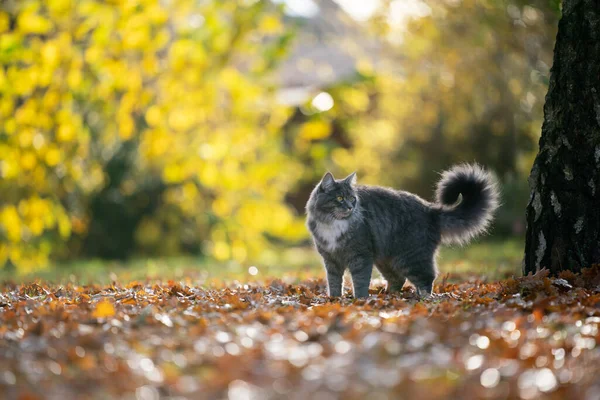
(349, 208)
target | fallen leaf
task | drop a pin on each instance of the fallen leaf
(104, 309)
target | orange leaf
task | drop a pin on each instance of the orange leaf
(104, 309)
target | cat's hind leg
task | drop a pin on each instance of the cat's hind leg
(395, 280)
(422, 273)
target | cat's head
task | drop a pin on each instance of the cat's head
(334, 199)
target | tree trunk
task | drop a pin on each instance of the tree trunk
(563, 214)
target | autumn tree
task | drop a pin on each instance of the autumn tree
(141, 126)
(453, 81)
(563, 218)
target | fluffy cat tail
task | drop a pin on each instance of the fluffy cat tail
(473, 214)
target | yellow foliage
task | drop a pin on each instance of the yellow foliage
(4, 22)
(220, 251)
(53, 156)
(81, 80)
(153, 116)
(357, 99)
(11, 223)
(315, 130)
(30, 22)
(271, 24)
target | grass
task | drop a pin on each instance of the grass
(493, 260)
(490, 260)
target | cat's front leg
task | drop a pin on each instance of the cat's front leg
(361, 270)
(335, 278)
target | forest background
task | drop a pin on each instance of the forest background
(151, 128)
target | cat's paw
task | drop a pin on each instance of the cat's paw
(424, 295)
(394, 289)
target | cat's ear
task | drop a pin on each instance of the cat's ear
(351, 179)
(327, 181)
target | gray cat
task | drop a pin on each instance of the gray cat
(356, 226)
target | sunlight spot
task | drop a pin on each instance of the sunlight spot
(146, 393)
(80, 351)
(253, 270)
(298, 357)
(312, 372)
(401, 11)
(246, 342)
(490, 378)
(323, 101)
(299, 8)
(559, 354)
(218, 351)
(9, 378)
(301, 336)
(483, 342)
(200, 346)
(474, 362)
(314, 349)
(342, 347)
(293, 96)
(232, 349)
(545, 380)
(146, 364)
(55, 368)
(223, 337)
(240, 390)
(165, 319)
(358, 9)
(509, 326)
(527, 350)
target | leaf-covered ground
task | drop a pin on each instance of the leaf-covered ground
(530, 337)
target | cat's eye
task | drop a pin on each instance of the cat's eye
(340, 198)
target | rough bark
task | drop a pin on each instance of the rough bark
(563, 214)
